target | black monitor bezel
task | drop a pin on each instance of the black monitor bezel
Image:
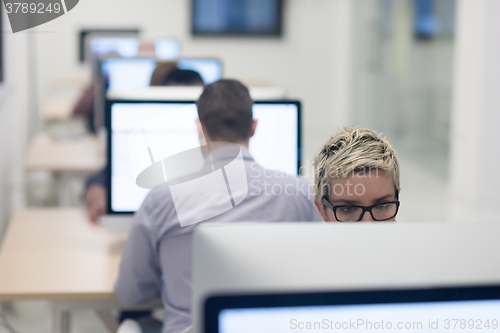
(213, 305)
(110, 102)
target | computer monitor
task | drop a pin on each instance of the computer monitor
(167, 48)
(126, 47)
(135, 73)
(235, 259)
(127, 74)
(170, 128)
(237, 17)
(210, 70)
(86, 35)
(464, 309)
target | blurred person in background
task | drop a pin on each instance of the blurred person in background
(183, 77)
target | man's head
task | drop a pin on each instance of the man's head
(225, 112)
(357, 167)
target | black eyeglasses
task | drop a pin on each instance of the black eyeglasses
(380, 212)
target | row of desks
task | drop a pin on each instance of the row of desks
(57, 254)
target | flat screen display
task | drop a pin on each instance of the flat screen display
(462, 316)
(167, 128)
(440, 309)
(237, 17)
(127, 47)
(123, 74)
(167, 49)
(85, 35)
(210, 70)
(135, 73)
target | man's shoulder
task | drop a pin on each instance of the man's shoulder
(156, 198)
(157, 208)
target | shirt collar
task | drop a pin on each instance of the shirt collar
(244, 153)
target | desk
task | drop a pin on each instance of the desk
(59, 107)
(58, 255)
(66, 158)
(85, 154)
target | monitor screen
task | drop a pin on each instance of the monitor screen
(167, 48)
(133, 73)
(426, 310)
(422, 317)
(127, 47)
(210, 70)
(237, 17)
(167, 128)
(85, 35)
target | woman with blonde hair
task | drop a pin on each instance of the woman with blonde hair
(357, 178)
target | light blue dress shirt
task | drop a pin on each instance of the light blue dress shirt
(157, 257)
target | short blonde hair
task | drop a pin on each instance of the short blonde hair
(352, 150)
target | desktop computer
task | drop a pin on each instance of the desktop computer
(135, 73)
(167, 48)
(288, 277)
(169, 127)
(462, 309)
(127, 45)
(210, 70)
(129, 75)
(142, 132)
(113, 40)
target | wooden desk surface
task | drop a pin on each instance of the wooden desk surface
(57, 254)
(83, 155)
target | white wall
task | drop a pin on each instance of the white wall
(310, 61)
(474, 172)
(14, 92)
